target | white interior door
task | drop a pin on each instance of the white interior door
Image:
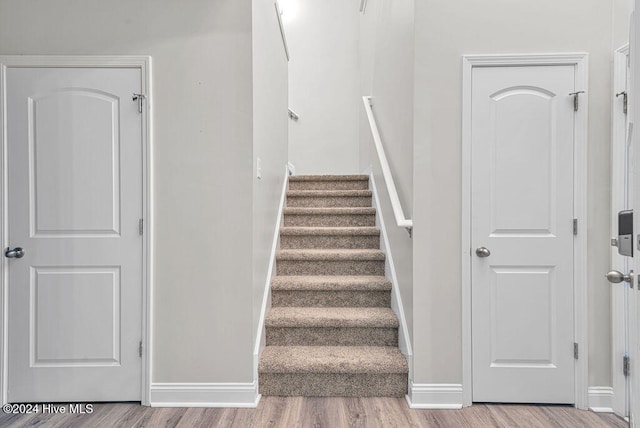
(522, 146)
(634, 294)
(74, 160)
(620, 200)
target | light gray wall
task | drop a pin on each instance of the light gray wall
(392, 85)
(444, 32)
(386, 73)
(621, 20)
(269, 138)
(202, 161)
(323, 85)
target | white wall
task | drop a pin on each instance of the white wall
(202, 161)
(269, 138)
(621, 20)
(386, 73)
(323, 85)
(444, 32)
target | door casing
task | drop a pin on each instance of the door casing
(143, 63)
(579, 61)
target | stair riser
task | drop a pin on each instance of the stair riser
(329, 185)
(330, 241)
(324, 267)
(333, 384)
(328, 201)
(331, 336)
(331, 299)
(329, 220)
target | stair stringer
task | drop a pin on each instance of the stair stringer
(404, 341)
(260, 341)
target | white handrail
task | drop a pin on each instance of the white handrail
(401, 220)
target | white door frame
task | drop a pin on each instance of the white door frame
(143, 63)
(580, 61)
(618, 168)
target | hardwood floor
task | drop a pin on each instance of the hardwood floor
(320, 412)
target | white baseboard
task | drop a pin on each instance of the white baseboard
(600, 399)
(435, 396)
(204, 394)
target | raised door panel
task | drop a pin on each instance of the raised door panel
(74, 163)
(523, 165)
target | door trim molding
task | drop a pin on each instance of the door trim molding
(143, 63)
(579, 60)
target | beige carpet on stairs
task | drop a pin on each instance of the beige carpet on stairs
(331, 330)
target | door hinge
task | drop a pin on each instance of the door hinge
(140, 349)
(141, 227)
(625, 101)
(575, 99)
(575, 226)
(626, 365)
(576, 353)
(139, 98)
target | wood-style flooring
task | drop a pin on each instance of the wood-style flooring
(321, 412)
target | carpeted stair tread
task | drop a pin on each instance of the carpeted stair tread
(330, 330)
(331, 317)
(329, 210)
(328, 193)
(330, 231)
(331, 283)
(329, 178)
(333, 359)
(330, 254)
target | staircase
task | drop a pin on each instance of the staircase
(331, 330)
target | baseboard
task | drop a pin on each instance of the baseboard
(600, 399)
(396, 301)
(204, 394)
(435, 396)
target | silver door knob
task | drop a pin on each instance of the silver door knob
(483, 252)
(16, 253)
(616, 277)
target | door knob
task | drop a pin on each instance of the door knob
(16, 253)
(483, 252)
(616, 277)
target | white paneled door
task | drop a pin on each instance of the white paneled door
(74, 159)
(634, 294)
(522, 234)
